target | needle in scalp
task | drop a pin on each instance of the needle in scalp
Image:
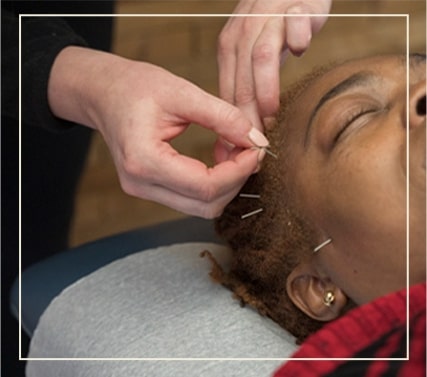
(323, 244)
(267, 150)
(252, 213)
(250, 196)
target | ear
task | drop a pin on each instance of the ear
(308, 291)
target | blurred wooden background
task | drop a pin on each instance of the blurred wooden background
(187, 47)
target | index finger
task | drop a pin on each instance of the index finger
(192, 104)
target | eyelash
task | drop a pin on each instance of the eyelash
(352, 118)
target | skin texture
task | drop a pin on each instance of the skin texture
(139, 108)
(251, 49)
(357, 173)
(341, 173)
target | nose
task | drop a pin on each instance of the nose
(417, 105)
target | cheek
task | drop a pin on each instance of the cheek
(362, 273)
(362, 206)
(367, 184)
(365, 204)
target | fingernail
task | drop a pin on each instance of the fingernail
(257, 138)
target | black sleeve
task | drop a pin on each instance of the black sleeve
(42, 38)
(41, 41)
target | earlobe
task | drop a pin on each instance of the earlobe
(317, 297)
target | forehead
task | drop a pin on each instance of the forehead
(339, 78)
(299, 103)
(391, 67)
(381, 66)
(297, 114)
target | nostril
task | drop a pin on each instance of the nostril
(421, 106)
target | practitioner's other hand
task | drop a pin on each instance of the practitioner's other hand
(251, 49)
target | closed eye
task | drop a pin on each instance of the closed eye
(355, 119)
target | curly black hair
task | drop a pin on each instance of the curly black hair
(266, 247)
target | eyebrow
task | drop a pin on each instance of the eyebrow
(355, 80)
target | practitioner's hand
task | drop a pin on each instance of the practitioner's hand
(251, 49)
(139, 108)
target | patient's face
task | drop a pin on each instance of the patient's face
(349, 158)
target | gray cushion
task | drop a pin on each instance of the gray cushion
(43, 281)
(159, 303)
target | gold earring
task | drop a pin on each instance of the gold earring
(328, 298)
